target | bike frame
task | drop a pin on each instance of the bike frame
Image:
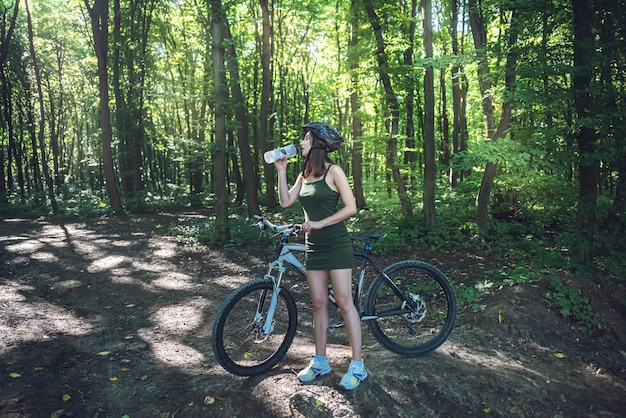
(285, 255)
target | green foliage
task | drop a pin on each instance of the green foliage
(468, 295)
(203, 231)
(471, 293)
(571, 304)
(82, 202)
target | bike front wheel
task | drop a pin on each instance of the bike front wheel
(240, 343)
(416, 313)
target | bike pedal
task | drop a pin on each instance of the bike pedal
(333, 327)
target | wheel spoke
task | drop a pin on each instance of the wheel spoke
(241, 346)
(419, 322)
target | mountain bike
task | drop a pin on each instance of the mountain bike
(410, 307)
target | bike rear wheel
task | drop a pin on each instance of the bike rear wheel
(420, 325)
(239, 342)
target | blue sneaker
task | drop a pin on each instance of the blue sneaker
(314, 369)
(355, 375)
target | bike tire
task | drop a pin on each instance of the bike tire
(239, 343)
(416, 332)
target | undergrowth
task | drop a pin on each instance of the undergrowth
(533, 233)
(570, 303)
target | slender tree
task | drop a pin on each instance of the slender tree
(5, 39)
(219, 155)
(7, 33)
(391, 100)
(239, 104)
(357, 123)
(430, 164)
(588, 164)
(42, 114)
(267, 91)
(493, 132)
(99, 15)
(460, 88)
(410, 155)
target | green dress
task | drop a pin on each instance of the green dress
(329, 248)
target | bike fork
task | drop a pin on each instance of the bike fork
(268, 327)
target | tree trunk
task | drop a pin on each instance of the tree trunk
(239, 104)
(394, 111)
(493, 133)
(444, 124)
(484, 191)
(266, 103)
(99, 15)
(220, 190)
(5, 40)
(430, 164)
(588, 165)
(4, 181)
(410, 155)
(357, 124)
(459, 94)
(4, 48)
(130, 33)
(42, 115)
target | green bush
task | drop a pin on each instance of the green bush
(571, 304)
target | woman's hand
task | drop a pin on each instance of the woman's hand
(312, 226)
(281, 165)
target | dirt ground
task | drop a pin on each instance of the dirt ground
(113, 317)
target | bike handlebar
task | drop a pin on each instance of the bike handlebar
(264, 223)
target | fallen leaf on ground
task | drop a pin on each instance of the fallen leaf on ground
(58, 413)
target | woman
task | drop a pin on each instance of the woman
(329, 248)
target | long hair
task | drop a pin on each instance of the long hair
(315, 162)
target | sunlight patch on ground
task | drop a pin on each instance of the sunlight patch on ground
(44, 256)
(55, 242)
(174, 281)
(178, 320)
(496, 360)
(171, 352)
(10, 292)
(287, 400)
(125, 276)
(87, 249)
(67, 285)
(121, 243)
(163, 249)
(231, 282)
(29, 246)
(23, 321)
(152, 266)
(107, 263)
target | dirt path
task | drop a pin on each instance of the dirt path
(113, 318)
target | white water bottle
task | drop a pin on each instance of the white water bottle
(280, 153)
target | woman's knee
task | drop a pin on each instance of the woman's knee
(345, 304)
(319, 302)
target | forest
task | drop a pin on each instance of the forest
(486, 137)
(467, 122)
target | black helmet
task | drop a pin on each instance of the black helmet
(326, 133)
